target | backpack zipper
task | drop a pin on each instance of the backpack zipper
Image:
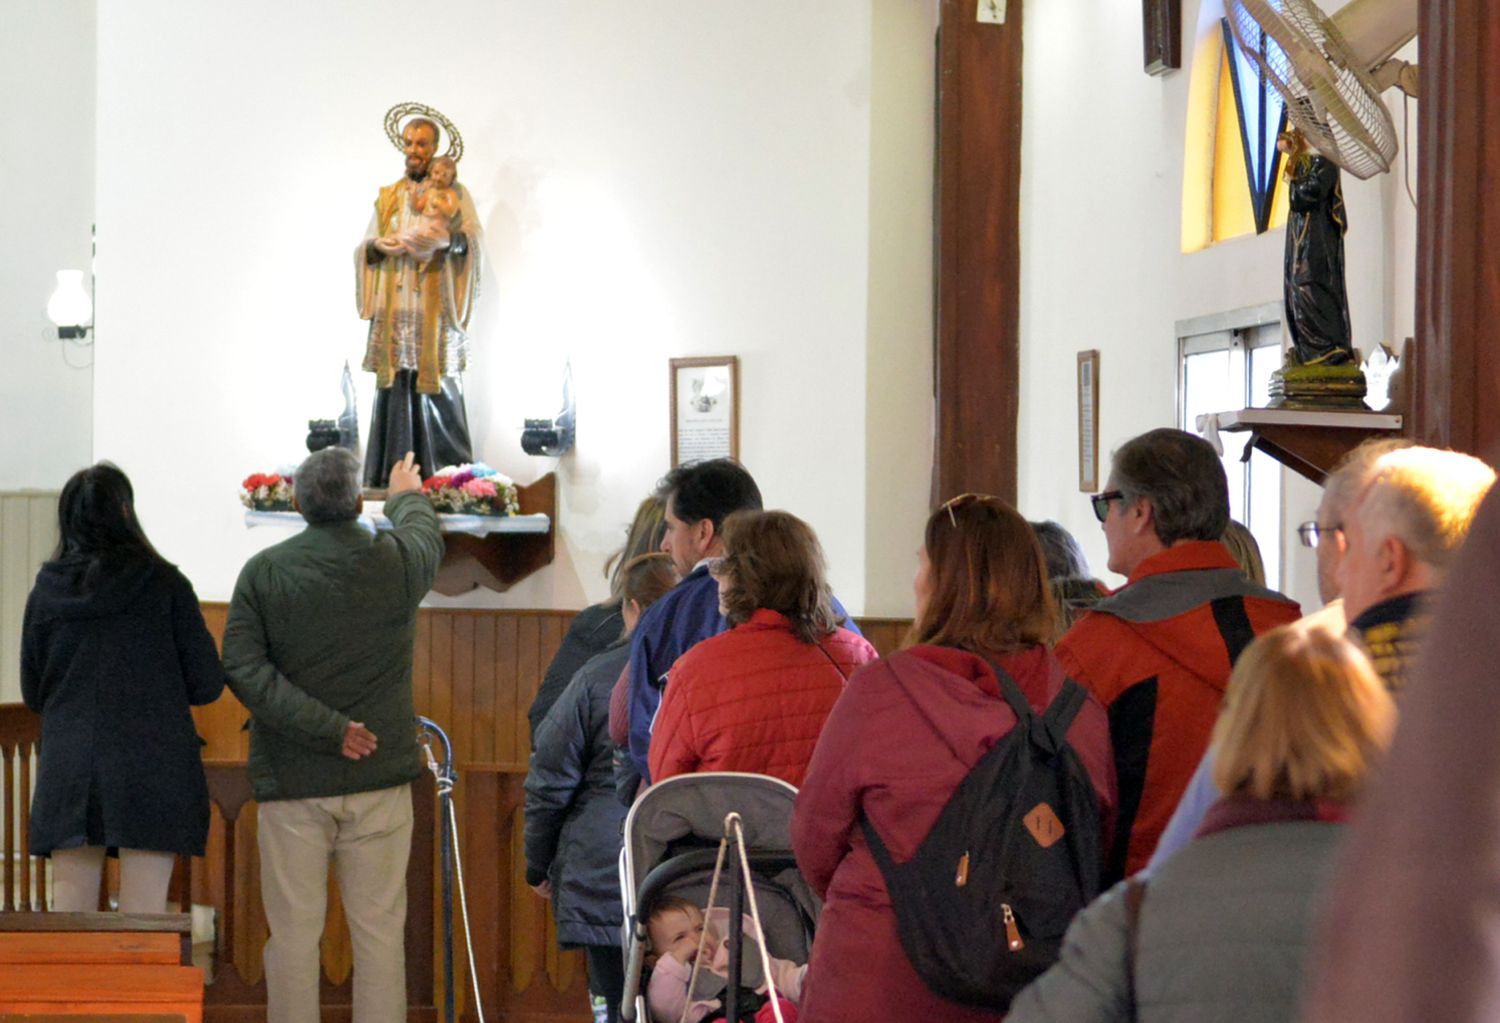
(1012, 932)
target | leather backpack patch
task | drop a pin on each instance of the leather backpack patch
(1044, 825)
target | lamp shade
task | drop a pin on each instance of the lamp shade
(70, 305)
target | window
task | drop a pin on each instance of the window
(1222, 368)
(1231, 173)
(1261, 114)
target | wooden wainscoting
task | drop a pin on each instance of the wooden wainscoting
(475, 673)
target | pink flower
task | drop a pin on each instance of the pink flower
(479, 488)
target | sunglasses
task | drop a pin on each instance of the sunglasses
(963, 500)
(1101, 503)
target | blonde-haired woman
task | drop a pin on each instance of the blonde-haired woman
(1221, 930)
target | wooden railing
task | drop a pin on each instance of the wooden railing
(23, 877)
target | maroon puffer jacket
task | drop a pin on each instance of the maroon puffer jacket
(752, 699)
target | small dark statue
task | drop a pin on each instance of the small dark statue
(1322, 368)
(1317, 308)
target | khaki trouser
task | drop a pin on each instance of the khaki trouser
(368, 836)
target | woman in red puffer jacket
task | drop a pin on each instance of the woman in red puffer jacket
(755, 698)
(905, 734)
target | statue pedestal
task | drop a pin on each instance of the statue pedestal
(1311, 388)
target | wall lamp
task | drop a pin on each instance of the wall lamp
(70, 307)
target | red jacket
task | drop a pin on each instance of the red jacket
(878, 757)
(1157, 654)
(752, 699)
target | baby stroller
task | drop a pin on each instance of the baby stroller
(672, 843)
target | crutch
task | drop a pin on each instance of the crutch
(445, 775)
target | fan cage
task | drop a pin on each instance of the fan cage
(1333, 101)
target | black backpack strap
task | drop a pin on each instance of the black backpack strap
(1011, 690)
(1064, 708)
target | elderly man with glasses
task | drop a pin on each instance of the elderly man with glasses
(1157, 653)
(1391, 518)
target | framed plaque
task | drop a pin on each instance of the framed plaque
(705, 408)
(1088, 421)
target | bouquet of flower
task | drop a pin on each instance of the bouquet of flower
(471, 490)
(266, 492)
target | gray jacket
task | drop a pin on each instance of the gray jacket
(1223, 935)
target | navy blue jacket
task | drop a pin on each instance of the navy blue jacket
(573, 821)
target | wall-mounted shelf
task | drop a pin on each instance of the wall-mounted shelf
(1309, 442)
(498, 560)
(495, 552)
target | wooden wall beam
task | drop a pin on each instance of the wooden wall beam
(1456, 365)
(977, 363)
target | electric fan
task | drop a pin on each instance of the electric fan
(1332, 70)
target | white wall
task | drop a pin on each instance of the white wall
(1101, 266)
(654, 180)
(47, 170)
(899, 406)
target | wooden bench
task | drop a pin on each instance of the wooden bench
(92, 965)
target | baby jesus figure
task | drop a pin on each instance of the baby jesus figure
(436, 210)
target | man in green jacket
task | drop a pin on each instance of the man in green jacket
(318, 647)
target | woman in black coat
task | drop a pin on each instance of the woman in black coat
(113, 653)
(573, 819)
(597, 628)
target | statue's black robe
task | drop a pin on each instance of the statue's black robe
(1317, 306)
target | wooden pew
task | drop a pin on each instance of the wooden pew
(97, 965)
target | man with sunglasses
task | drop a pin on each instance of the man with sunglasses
(1157, 653)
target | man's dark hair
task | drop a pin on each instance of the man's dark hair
(327, 486)
(712, 490)
(1182, 477)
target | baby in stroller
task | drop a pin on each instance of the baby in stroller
(679, 934)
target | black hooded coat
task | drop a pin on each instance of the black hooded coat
(112, 664)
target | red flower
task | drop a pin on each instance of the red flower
(434, 483)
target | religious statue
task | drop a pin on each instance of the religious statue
(417, 275)
(1322, 368)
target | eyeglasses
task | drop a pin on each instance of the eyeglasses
(1101, 502)
(1311, 533)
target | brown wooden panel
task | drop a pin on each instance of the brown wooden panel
(529, 669)
(1456, 372)
(884, 634)
(507, 639)
(461, 706)
(486, 671)
(977, 362)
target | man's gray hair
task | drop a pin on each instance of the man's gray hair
(327, 486)
(1352, 474)
(1182, 477)
(1426, 498)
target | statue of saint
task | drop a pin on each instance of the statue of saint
(417, 275)
(1317, 307)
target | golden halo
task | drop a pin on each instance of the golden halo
(399, 112)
